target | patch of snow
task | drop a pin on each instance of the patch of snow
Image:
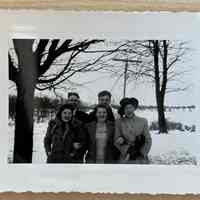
(173, 158)
(174, 148)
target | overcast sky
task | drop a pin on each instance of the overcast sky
(127, 26)
(144, 91)
(93, 82)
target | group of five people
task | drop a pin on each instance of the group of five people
(102, 136)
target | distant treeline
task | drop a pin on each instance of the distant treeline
(43, 106)
(167, 108)
(46, 107)
(174, 126)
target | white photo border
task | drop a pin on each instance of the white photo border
(92, 178)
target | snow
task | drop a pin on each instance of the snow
(184, 116)
(174, 148)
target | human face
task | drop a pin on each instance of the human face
(66, 115)
(129, 110)
(73, 100)
(101, 114)
(105, 100)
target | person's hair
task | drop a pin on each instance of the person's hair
(100, 106)
(63, 107)
(104, 93)
(73, 94)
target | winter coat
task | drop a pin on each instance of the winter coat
(109, 148)
(59, 142)
(137, 140)
(81, 116)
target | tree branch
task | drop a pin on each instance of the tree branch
(65, 47)
(41, 47)
(72, 56)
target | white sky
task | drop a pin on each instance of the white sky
(144, 91)
(126, 27)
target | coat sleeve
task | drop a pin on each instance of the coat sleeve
(148, 140)
(82, 135)
(48, 136)
(123, 148)
(90, 152)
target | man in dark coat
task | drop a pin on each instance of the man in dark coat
(74, 100)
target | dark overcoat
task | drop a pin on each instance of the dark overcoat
(109, 156)
(59, 141)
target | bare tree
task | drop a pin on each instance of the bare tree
(157, 61)
(164, 69)
(30, 70)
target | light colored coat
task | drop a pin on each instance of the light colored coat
(129, 129)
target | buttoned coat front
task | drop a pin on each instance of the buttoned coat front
(109, 149)
(129, 130)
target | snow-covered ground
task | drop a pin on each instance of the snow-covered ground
(176, 147)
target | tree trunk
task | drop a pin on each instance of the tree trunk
(23, 142)
(161, 111)
(158, 92)
(161, 115)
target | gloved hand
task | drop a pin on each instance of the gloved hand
(133, 152)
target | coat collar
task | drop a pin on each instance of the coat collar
(132, 118)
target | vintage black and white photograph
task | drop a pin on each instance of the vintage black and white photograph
(103, 101)
(100, 102)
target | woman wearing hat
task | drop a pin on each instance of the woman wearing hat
(132, 135)
(65, 137)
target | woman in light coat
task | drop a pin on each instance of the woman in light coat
(132, 136)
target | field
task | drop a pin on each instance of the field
(176, 147)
